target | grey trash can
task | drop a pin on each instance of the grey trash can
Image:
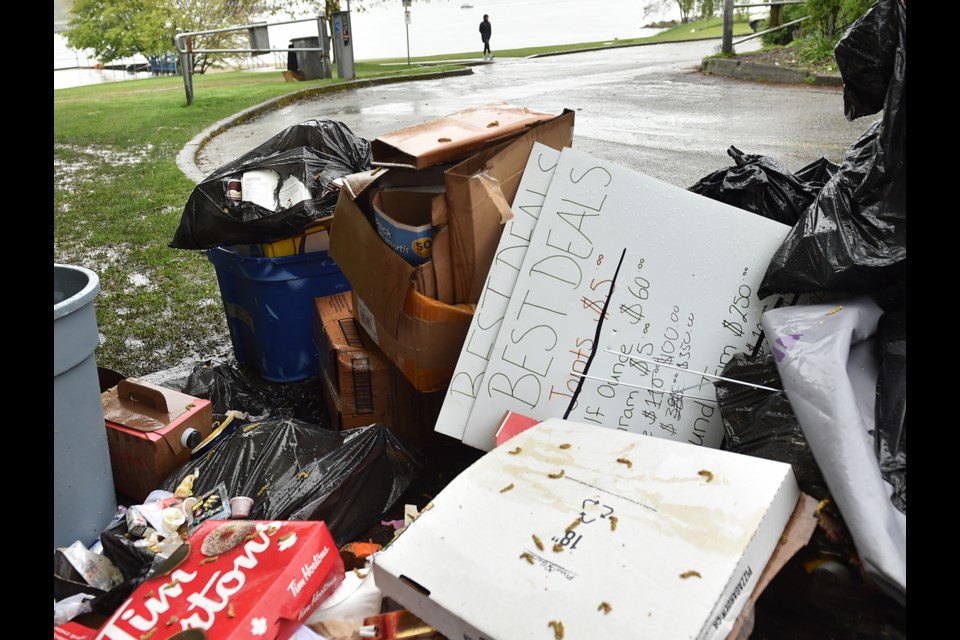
(84, 500)
(311, 63)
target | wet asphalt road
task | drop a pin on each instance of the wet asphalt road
(647, 108)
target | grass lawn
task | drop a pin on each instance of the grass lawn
(119, 195)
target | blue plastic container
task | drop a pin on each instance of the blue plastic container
(269, 305)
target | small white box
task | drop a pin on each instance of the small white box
(653, 538)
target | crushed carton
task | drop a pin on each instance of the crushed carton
(150, 433)
(603, 533)
(249, 579)
(360, 385)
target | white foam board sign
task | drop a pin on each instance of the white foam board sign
(623, 266)
(608, 533)
(468, 375)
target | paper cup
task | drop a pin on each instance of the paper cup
(240, 507)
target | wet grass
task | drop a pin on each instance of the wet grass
(119, 195)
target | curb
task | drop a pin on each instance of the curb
(758, 72)
(187, 157)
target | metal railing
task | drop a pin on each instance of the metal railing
(728, 7)
(184, 45)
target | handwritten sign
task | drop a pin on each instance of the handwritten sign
(468, 375)
(629, 289)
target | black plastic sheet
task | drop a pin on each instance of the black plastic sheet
(852, 239)
(760, 185)
(297, 471)
(229, 387)
(316, 152)
(890, 438)
(761, 423)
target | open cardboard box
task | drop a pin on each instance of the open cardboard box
(609, 533)
(420, 334)
(148, 429)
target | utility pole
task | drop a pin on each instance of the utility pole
(726, 45)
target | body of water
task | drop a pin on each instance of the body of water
(436, 27)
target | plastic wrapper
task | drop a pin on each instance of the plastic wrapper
(297, 471)
(865, 58)
(890, 439)
(760, 185)
(829, 366)
(316, 153)
(852, 239)
(69, 608)
(761, 423)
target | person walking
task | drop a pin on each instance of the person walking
(485, 31)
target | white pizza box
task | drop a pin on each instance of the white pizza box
(642, 537)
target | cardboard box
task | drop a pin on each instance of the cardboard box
(356, 376)
(147, 428)
(609, 533)
(453, 137)
(265, 586)
(421, 335)
(360, 385)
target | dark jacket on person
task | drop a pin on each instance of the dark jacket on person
(485, 29)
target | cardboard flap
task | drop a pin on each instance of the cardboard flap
(127, 390)
(382, 290)
(143, 406)
(491, 187)
(480, 194)
(454, 136)
(357, 183)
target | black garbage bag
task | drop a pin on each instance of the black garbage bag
(229, 387)
(852, 239)
(817, 173)
(761, 423)
(865, 58)
(297, 471)
(759, 184)
(315, 152)
(890, 438)
(133, 561)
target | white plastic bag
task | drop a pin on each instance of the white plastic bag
(828, 364)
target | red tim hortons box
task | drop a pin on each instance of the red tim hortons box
(234, 579)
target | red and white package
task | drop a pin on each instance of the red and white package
(73, 631)
(255, 580)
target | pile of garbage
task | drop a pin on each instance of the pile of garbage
(487, 385)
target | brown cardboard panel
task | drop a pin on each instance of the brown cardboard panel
(443, 265)
(454, 136)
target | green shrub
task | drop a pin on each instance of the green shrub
(785, 36)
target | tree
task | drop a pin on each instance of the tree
(707, 8)
(686, 7)
(116, 29)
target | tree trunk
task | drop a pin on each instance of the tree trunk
(776, 16)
